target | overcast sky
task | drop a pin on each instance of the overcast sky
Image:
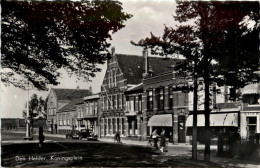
(147, 17)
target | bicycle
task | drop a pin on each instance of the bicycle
(150, 142)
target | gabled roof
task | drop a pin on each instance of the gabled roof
(132, 66)
(72, 105)
(70, 94)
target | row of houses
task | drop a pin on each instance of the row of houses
(140, 94)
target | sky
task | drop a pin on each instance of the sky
(148, 16)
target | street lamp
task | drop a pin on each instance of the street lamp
(27, 118)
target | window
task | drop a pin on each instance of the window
(81, 113)
(115, 77)
(115, 99)
(160, 98)
(170, 97)
(251, 125)
(118, 101)
(140, 103)
(136, 103)
(60, 119)
(87, 109)
(150, 100)
(91, 108)
(64, 119)
(68, 120)
(96, 107)
(54, 111)
(122, 101)
(111, 77)
(111, 102)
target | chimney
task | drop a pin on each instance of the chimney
(90, 89)
(112, 51)
(145, 62)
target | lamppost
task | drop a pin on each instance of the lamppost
(28, 117)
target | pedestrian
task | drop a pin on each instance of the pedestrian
(41, 137)
(117, 137)
(163, 141)
(155, 138)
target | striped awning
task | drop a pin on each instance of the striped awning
(163, 120)
(216, 120)
(251, 89)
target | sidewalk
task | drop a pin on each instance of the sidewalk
(182, 151)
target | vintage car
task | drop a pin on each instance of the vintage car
(84, 133)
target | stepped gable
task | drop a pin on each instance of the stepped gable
(70, 94)
(72, 105)
(132, 66)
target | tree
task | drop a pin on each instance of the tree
(39, 38)
(37, 107)
(206, 45)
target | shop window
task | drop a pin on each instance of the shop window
(150, 100)
(251, 125)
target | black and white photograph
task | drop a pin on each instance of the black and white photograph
(130, 83)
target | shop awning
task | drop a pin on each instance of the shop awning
(251, 89)
(163, 120)
(216, 120)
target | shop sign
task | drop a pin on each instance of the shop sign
(252, 114)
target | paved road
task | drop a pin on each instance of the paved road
(60, 152)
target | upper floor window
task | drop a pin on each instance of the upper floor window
(130, 103)
(96, 108)
(150, 100)
(160, 98)
(115, 77)
(91, 108)
(87, 109)
(170, 97)
(81, 113)
(139, 102)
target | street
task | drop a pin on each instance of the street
(60, 152)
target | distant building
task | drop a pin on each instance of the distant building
(66, 117)
(56, 100)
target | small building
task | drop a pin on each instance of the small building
(88, 113)
(66, 117)
(57, 99)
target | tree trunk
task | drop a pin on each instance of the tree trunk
(207, 111)
(194, 129)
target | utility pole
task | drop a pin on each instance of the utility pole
(27, 134)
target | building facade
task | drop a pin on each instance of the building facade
(128, 82)
(56, 100)
(165, 105)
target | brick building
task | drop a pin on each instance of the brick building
(123, 93)
(57, 99)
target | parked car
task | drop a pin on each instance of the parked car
(84, 133)
(92, 137)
